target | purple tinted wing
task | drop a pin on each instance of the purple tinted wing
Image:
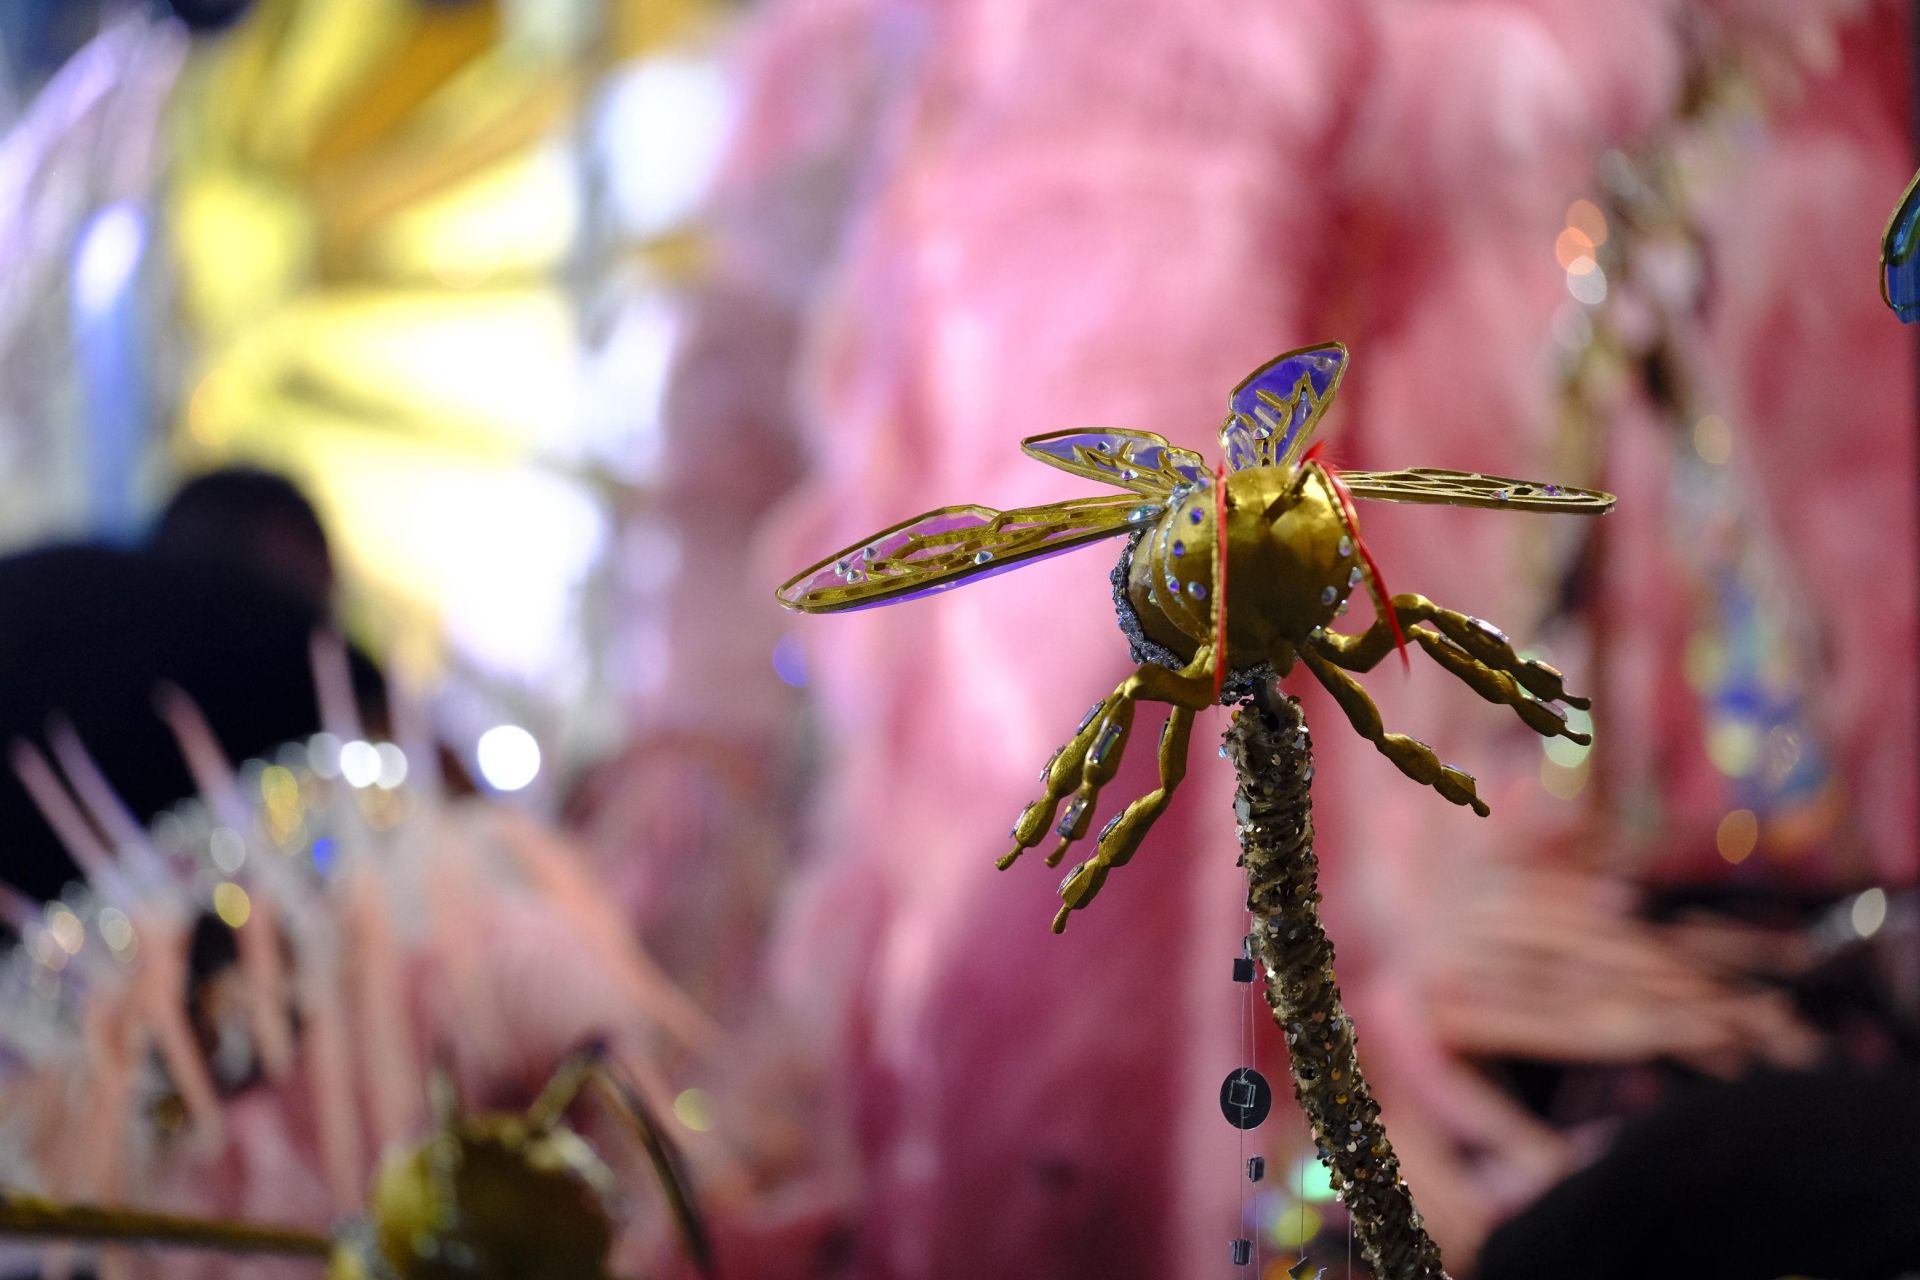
(1138, 460)
(1274, 411)
(944, 548)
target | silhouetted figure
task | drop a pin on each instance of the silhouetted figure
(1812, 1173)
(251, 520)
(224, 603)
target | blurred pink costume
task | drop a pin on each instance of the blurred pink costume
(433, 934)
(1106, 215)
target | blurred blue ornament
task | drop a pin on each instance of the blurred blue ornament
(1899, 264)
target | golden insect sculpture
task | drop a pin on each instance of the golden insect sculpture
(495, 1196)
(1230, 577)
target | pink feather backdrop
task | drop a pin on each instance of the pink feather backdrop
(954, 225)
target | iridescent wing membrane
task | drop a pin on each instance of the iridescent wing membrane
(944, 548)
(952, 545)
(1471, 489)
(1137, 460)
(1273, 413)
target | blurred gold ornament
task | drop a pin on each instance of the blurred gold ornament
(498, 1196)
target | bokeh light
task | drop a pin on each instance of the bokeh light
(1869, 912)
(359, 763)
(1571, 247)
(116, 928)
(1295, 1227)
(227, 848)
(231, 903)
(393, 766)
(109, 253)
(1586, 281)
(790, 661)
(1713, 440)
(508, 756)
(1585, 217)
(1313, 1181)
(694, 1110)
(1736, 835)
(66, 929)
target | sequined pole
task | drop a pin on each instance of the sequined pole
(1273, 759)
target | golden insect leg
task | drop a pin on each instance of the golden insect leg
(1123, 835)
(1482, 641)
(1061, 777)
(669, 1166)
(1092, 756)
(590, 1068)
(1497, 686)
(1409, 755)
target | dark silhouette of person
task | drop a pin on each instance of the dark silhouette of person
(223, 603)
(1810, 1173)
(251, 520)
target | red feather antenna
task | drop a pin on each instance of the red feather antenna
(1376, 585)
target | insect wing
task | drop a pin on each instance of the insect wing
(1273, 413)
(1138, 460)
(1471, 489)
(944, 548)
(1900, 256)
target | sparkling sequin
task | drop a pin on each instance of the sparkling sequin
(1346, 547)
(1071, 818)
(1195, 516)
(1198, 590)
(1328, 595)
(1108, 737)
(1179, 548)
(981, 557)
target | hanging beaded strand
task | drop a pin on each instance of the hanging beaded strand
(1273, 761)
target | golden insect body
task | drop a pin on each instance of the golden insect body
(1290, 563)
(503, 1194)
(1227, 577)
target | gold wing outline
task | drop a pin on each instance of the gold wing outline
(944, 548)
(1472, 489)
(1273, 412)
(1142, 461)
